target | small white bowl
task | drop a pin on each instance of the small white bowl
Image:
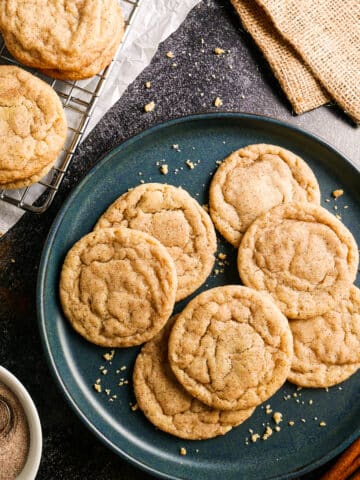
(33, 459)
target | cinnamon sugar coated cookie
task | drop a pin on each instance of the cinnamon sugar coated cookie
(59, 36)
(254, 179)
(327, 347)
(168, 405)
(231, 348)
(118, 286)
(177, 221)
(32, 127)
(302, 255)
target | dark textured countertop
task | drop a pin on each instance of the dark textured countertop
(244, 82)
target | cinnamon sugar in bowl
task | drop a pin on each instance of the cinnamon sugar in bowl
(20, 431)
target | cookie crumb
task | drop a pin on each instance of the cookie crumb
(134, 407)
(277, 428)
(254, 437)
(311, 402)
(123, 368)
(170, 54)
(277, 417)
(164, 169)
(219, 51)
(218, 102)
(149, 107)
(190, 164)
(147, 84)
(268, 433)
(176, 147)
(222, 256)
(97, 387)
(104, 371)
(291, 423)
(337, 193)
(109, 356)
(322, 424)
(183, 451)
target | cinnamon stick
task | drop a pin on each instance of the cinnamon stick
(346, 464)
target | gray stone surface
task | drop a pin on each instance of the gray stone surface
(244, 82)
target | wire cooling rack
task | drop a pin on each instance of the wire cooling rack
(79, 99)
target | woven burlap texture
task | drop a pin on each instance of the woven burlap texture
(326, 34)
(295, 78)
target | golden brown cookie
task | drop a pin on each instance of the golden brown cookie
(118, 286)
(231, 348)
(59, 35)
(302, 255)
(327, 347)
(177, 221)
(167, 404)
(254, 179)
(32, 124)
(102, 61)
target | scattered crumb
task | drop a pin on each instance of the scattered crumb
(97, 387)
(170, 54)
(277, 417)
(327, 200)
(12, 260)
(311, 402)
(268, 433)
(134, 407)
(123, 368)
(337, 193)
(219, 51)
(255, 437)
(109, 356)
(303, 420)
(176, 147)
(268, 409)
(107, 391)
(104, 371)
(183, 451)
(222, 256)
(291, 423)
(277, 428)
(149, 107)
(218, 102)
(147, 84)
(174, 65)
(322, 424)
(164, 169)
(190, 164)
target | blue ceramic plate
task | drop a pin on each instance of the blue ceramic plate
(75, 363)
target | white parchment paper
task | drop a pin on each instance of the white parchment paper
(152, 23)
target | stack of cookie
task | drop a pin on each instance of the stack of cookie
(65, 40)
(264, 200)
(232, 347)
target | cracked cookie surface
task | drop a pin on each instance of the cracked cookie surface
(254, 179)
(172, 216)
(302, 255)
(231, 348)
(32, 124)
(117, 287)
(167, 404)
(327, 347)
(59, 35)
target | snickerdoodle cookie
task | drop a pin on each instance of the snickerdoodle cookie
(32, 127)
(231, 347)
(168, 405)
(327, 347)
(302, 255)
(118, 286)
(65, 36)
(254, 179)
(177, 221)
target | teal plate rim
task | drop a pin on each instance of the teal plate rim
(43, 273)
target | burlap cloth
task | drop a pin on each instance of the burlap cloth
(313, 47)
